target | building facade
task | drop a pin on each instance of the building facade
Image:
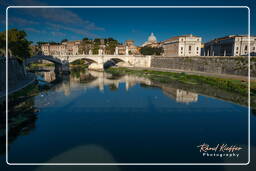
(128, 45)
(232, 45)
(65, 48)
(133, 50)
(187, 45)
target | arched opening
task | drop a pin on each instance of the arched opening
(44, 70)
(82, 62)
(114, 62)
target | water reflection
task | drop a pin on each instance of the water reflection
(117, 116)
(22, 120)
(91, 79)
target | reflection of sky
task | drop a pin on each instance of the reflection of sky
(135, 97)
(142, 121)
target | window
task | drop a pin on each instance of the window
(245, 48)
(189, 48)
(237, 48)
(197, 48)
(181, 48)
(253, 48)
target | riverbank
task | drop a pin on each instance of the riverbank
(228, 84)
(29, 79)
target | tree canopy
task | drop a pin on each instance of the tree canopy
(147, 50)
(87, 44)
(17, 43)
(64, 40)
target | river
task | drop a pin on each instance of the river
(96, 117)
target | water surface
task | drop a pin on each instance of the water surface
(95, 117)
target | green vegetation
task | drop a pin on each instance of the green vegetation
(64, 40)
(232, 85)
(147, 50)
(36, 65)
(29, 91)
(87, 44)
(79, 64)
(17, 43)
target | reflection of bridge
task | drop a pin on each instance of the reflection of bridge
(96, 62)
(92, 79)
(103, 79)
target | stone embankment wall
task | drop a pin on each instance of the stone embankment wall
(2, 74)
(218, 65)
(16, 73)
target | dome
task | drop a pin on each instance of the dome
(152, 38)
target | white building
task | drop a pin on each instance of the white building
(186, 45)
(232, 45)
(151, 41)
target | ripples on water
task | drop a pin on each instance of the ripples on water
(90, 117)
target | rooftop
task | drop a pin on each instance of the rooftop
(176, 37)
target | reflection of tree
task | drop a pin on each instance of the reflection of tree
(21, 121)
(148, 86)
(113, 87)
(254, 112)
(86, 78)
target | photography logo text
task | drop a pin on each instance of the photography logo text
(219, 150)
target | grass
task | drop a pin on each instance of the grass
(79, 66)
(232, 85)
(29, 91)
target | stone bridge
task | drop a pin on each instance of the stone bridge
(96, 62)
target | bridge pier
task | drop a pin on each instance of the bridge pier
(62, 68)
(96, 66)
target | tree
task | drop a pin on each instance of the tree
(85, 46)
(110, 45)
(53, 43)
(85, 38)
(17, 43)
(147, 50)
(64, 40)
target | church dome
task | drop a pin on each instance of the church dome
(152, 38)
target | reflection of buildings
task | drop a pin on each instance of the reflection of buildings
(49, 76)
(187, 45)
(179, 95)
(185, 96)
(233, 45)
(100, 79)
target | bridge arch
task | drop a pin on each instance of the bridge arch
(56, 61)
(89, 60)
(60, 65)
(113, 61)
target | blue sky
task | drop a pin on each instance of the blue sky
(122, 24)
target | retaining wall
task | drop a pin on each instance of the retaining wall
(219, 65)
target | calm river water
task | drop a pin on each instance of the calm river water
(95, 117)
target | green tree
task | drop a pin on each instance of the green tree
(85, 46)
(147, 50)
(17, 43)
(64, 40)
(111, 45)
(85, 39)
